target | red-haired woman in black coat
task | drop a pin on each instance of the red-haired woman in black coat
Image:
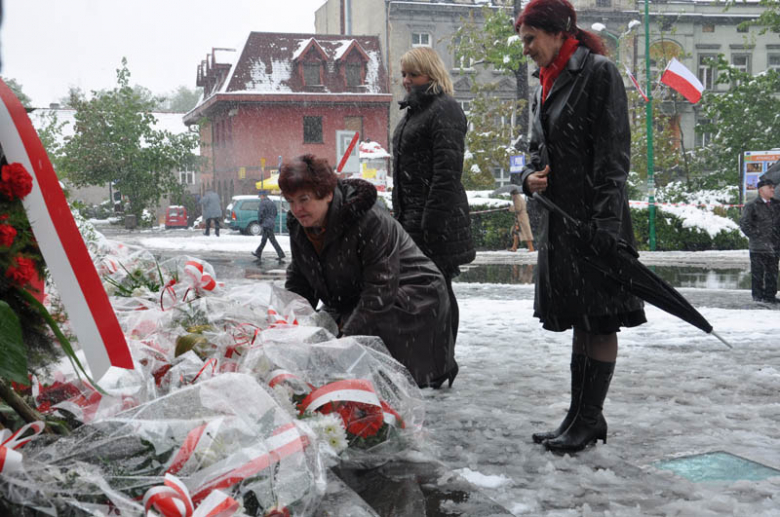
(579, 159)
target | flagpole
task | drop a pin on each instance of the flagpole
(649, 120)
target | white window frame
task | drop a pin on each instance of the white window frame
(706, 73)
(419, 37)
(775, 66)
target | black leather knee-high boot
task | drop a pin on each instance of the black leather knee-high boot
(577, 367)
(589, 424)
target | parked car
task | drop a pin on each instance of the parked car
(176, 217)
(241, 214)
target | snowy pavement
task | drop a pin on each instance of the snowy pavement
(676, 392)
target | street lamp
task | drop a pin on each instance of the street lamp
(601, 28)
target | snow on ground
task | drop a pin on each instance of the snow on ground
(676, 392)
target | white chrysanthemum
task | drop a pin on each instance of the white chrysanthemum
(284, 397)
(330, 429)
(141, 292)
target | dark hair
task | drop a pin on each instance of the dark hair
(554, 16)
(307, 172)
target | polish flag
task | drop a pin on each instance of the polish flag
(636, 83)
(682, 80)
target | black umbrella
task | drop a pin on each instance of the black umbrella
(625, 268)
(772, 173)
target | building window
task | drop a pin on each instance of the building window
(311, 74)
(708, 27)
(773, 62)
(421, 39)
(354, 74)
(465, 106)
(743, 27)
(706, 70)
(312, 130)
(187, 178)
(703, 139)
(603, 3)
(741, 62)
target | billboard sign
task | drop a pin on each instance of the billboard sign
(753, 165)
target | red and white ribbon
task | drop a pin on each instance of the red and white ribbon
(81, 289)
(173, 500)
(200, 279)
(274, 318)
(285, 441)
(350, 390)
(10, 458)
(199, 439)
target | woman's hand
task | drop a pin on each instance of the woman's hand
(537, 181)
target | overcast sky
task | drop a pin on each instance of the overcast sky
(49, 45)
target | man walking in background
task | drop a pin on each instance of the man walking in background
(761, 223)
(212, 211)
(266, 217)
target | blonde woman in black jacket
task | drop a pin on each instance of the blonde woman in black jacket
(428, 145)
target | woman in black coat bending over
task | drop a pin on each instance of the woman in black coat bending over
(349, 253)
(428, 144)
(579, 159)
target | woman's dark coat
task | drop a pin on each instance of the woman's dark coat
(375, 281)
(582, 132)
(428, 197)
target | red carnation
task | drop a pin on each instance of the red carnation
(7, 235)
(16, 181)
(360, 419)
(22, 272)
(277, 511)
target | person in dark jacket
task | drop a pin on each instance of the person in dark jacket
(266, 217)
(349, 253)
(579, 158)
(428, 145)
(760, 221)
(212, 211)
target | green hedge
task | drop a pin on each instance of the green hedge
(491, 232)
(670, 235)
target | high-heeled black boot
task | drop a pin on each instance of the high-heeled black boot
(577, 368)
(589, 424)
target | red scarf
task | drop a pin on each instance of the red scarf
(548, 74)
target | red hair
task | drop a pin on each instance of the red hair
(554, 16)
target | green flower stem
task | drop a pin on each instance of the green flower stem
(66, 346)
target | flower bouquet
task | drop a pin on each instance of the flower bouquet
(205, 435)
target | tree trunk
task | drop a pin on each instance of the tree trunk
(521, 77)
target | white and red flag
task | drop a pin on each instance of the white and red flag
(85, 300)
(682, 80)
(636, 83)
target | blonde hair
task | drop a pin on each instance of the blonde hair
(425, 61)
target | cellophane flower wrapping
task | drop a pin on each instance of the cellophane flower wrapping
(226, 433)
(377, 401)
(254, 367)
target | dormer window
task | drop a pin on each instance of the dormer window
(354, 74)
(311, 74)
